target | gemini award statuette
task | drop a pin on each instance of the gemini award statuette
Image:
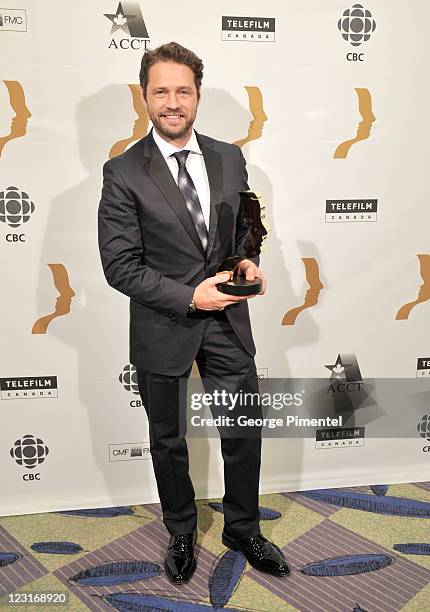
(250, 247)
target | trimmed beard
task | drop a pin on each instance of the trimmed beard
(172, 134)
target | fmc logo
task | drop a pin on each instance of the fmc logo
(129, 452)
(128, 19)
(356, 26)
(29, 451)
(13, 20)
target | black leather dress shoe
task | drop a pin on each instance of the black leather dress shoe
(260, 553)
(180, 563)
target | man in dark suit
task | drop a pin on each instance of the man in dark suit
(170, 213)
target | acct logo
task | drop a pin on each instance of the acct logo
(347, 394)
(346, 368)
(128, 20)
(356, 26)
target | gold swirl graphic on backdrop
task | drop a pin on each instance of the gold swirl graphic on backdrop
(141, 124)
(423, 292)
(18, 126)
(312, 294)
(255, 128)
(62, 305)
(364, 127)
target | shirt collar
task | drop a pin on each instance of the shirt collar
(168, 149)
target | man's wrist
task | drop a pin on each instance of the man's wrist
(192, 307)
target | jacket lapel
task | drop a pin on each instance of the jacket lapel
(160, 173)
(213, 164)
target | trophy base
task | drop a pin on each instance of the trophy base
(240, 286)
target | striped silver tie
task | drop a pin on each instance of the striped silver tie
(188, 190)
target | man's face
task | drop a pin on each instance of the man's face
(172, 100)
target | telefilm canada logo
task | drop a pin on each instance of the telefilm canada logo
(423, 367)
(16, 208)
(128, 30)
(423, 428)
(356, 26)
(29, 451)
(129, 452)
(339, 437)
(346, 379)
(254, 29)
(28, 387)
(128, 379)
(351, 211)
(13, 20)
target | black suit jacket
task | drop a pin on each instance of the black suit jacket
(151, 252)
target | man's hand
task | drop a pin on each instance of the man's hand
(248, 269)
(207, 297)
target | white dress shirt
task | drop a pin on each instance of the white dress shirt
(195, 165)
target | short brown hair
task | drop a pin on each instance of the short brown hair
(171, 52)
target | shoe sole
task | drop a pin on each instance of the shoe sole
(231, 544)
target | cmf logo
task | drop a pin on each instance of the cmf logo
(356, 25)
(30, 452)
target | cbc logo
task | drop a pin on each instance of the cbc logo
(356, 26)
(423, 428)
(355, 57)
(16, 207)
(30, 452)
(128, 378)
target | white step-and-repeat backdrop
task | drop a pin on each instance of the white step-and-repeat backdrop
(330, 104)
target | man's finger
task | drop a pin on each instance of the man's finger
(234, 299)
(221, 277)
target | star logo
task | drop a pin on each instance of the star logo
(345, 368)
(119, 20)
(128, 18)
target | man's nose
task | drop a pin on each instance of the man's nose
(172, 100)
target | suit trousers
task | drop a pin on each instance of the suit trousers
(223, 363)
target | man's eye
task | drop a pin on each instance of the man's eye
(160, 92)
(185, 92)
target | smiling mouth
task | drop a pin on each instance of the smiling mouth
(172, 116)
